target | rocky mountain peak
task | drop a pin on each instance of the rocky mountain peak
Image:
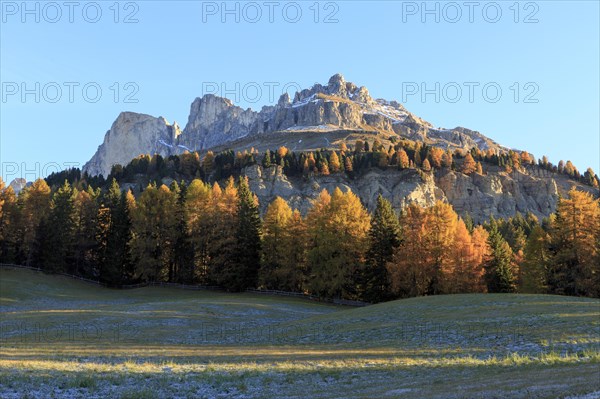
(284, 100)
(208, 108)
(213, 121)
(337, 85)
(130, 135)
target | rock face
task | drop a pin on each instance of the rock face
(213, 121)
(400, 187)
(133, 134)
(321, 117)
(500, 195)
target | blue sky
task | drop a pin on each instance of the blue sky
(547, 52)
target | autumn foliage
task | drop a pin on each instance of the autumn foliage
(213, 234)
(438, 255)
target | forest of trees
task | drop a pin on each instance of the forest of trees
(202, 233)
(352, 162)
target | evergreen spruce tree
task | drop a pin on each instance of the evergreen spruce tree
(58, 247)
(183, 257)
(85, 242)
(266, 162)
(40, 248)
(535, 263)
(124, 232)
(114, 235)
(469, 223)
(384, 238)
(109, 256)
(208, 163)
(499, 274)
(244, 273)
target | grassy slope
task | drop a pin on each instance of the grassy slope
(71, 339)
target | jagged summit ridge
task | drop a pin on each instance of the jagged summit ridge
(213, 121)
(338, 87)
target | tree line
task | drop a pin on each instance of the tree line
(202, 233)
(362, 157)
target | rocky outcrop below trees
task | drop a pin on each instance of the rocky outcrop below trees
(496, 194)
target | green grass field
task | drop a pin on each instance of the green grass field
(63, 338)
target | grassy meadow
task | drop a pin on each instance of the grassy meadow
(61, 338)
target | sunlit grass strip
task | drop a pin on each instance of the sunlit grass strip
(132, 367)
(179, 353)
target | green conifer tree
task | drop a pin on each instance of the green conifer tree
(243, 272)
(384, 238)
(499, 274)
